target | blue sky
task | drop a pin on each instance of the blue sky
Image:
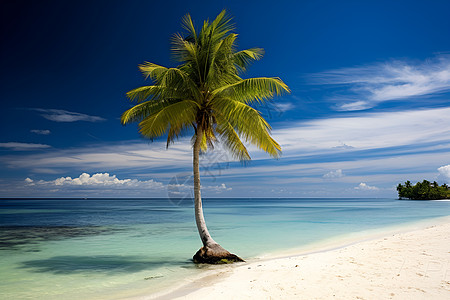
(369, 106)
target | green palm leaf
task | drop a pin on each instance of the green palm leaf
(151, 70)
(206, 92)
(249, 90)
(178, 115)
(143, 93)
(244, 58)
(141, 111)
(249, 124)
(231, 140)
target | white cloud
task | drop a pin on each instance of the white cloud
(217, 188)
(23, 146)
(59, 115)
(29, 181)
(97, 180)
(334, 174)
(102, 184)
(364, 187)
(40, 131)
(372, 84)
(445, 171)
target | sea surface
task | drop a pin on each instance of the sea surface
(116, 248)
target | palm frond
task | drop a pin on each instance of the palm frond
(141, 111)
(231, 140)
(204, 143)
(175, 132)
(143, 93)
(179, 115)
(221, 25)
(248, 122)
(244, 58)
(189, 53)
(188, 25)
(151, 70)
(174, 80)
(183, 50)
(222, 69)
(252, 89)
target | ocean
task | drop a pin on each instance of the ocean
(118, 248)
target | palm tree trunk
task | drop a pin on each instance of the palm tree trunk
(199, 218)
(211, 252)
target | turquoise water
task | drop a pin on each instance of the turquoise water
(113, 248)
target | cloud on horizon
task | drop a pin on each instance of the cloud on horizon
(366, 86)
(364, 187)
(98, 179)
(99, 183)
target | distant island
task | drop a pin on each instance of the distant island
(424, 190)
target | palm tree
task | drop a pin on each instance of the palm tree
(204, 95)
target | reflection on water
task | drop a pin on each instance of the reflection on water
(28, 238)
(97, 264)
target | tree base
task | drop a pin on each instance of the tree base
(215, 254)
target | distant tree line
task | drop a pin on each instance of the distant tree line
(424, 190)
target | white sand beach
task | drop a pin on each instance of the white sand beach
(407, 265)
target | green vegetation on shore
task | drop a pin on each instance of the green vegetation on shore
(424, 190)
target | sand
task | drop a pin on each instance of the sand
(406, 265)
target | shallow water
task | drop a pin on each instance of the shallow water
(112, 248)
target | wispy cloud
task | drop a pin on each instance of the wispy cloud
(367, 131)
(377, 148)
(134, 155)
(283, 107)
(417, 130)
(366, 86)
(40, 131)
(59, 115)
(23, 146)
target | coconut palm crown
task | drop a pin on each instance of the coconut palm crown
(205, 95)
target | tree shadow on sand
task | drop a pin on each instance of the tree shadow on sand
(107, 264)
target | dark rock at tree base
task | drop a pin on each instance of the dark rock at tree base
(209, 256)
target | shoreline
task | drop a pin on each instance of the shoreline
(220, 281)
